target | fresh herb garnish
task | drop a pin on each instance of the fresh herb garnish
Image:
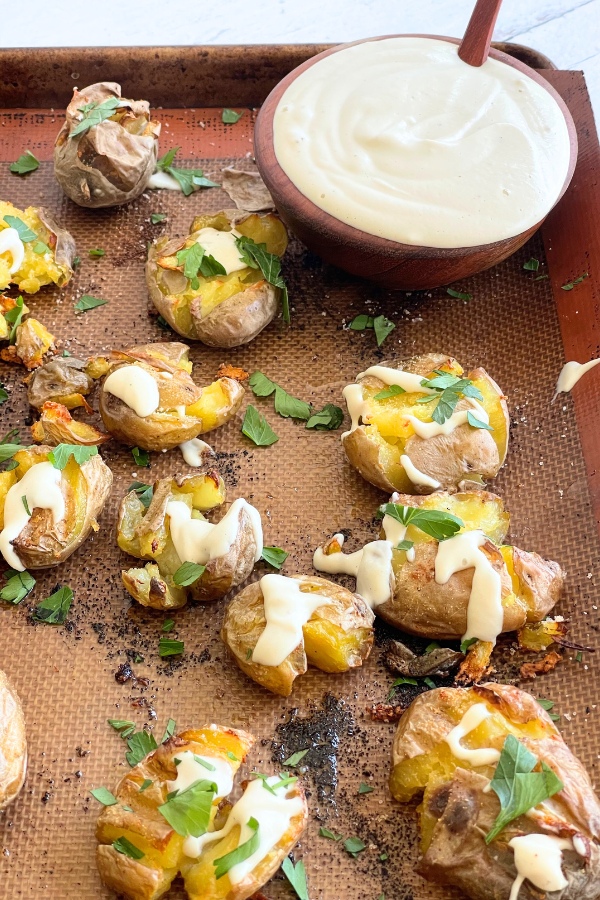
(122, 845)
(3, 393)
(464, 645)
(232, 756)
(24, 231)
(18, 586)
(26, 505)
(76, 262)
(474, 422)
(249, 653)
(518, 786)
(169, 647)
(26, 163)
(140, 457)
(579, 656)
(431, 647)
(145, 784)
(188, 813)
(189, 180)
(274, 556)
(204, 764)
(104, 796)
(224, 863)
(123, 726)
(459, 295)
(258, 257)
(168, 625)
(394, 390)
(157, 218)
(353, 846)
(169, 731)
(430, 683)
(330, 835)
(548, 705)
(450, 389)
(295, 758)
(188, 573)
(405, 545)
(296, 875)
(437, 524)
(55, 608)
(365, 788)
(59, 456)
(144, 492)
(13, 317)
(40, 247)
(257, 428)
(230, 116)
(285, 404)
(196, 261)
(95, 113)
(88, 302)
(532, 265)
(98, 251)
(380, 325)
(140, 745)
(566, 287)
(328, 419)
(399, 682)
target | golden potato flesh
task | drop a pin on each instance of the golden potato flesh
(384, 434)
(57, 426)
(219, 310)
(13, 743)
(32, 342)
(47, 257)
(337, 636)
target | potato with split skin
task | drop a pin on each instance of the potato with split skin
(459, 809)
(13, 743)
(184, 409)
(337, 637)
(381, 433)
(111, 162)
(35, 251)
(60, 380)
(219, 310)
(85, 489)
(57, 426)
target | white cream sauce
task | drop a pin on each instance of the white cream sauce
(199, 541)
(195, 452)
(135, 387)
(221, 245)
(400, 138)
(40, 486)
(484, 613)
(211, 768)
(416, 476)
(10, 242)
(570, 374)
(287, 610)
(160, 181)
(273, 811)
(431, 429)
(538, 858)
(474, 716)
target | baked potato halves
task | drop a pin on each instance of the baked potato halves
(401, 440)
(34, 249)
(107, 148)
(222, 306)
(332, 629)
(60, 380)
(148, 398)
(47, 512)
(484, 838)
(13, 743)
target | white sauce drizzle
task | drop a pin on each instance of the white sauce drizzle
(416, 476)
(195, 451)
(287, 610)
(273, 812)
(570, 374)
(538, 858)
(199, 541)
(135, 387)
(160, 180)
(428, 430)
(474, 716)
(484, 613)
(40, 486)
(410, 382)
(189, 771)
(10, 242)
(221, 245)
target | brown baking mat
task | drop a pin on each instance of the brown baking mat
(305, 491)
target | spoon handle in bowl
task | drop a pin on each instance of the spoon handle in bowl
(475, 45)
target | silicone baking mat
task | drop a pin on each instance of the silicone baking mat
(514, 325)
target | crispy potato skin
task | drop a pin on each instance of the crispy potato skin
(85, 488)
(464, 453)
(337, 637)
(457, 812)
(13, 743)
(60, 380)
(57, 426)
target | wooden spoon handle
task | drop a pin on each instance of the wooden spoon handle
(475, 45)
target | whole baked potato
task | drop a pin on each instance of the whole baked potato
(107, 148)
(198, 765)
(222, 310)
(464, 425)
(42, 541)
(465, 841)
(166, 534)
(168, 407)
(34, 249)
(13, 743)
(334, 637)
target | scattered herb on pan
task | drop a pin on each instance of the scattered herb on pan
(76, 262)
(95, 113)
(257, 428)
(353, 846)
(532, 265)
(224, 863)
(285, 404)
(55, 608)
(295, 758)
(296, 875)
(188, 812)
(124, 727)
(380, 325)
(26, 505)
(59, 456)
(87, 302)
(18, 586)
(383, 857)
(169, 731)
(140, 744)
(327, 419)
(394, 390)
(566, 287)
(157, 218)
(437, 524)
(104, 796)
(399, 682)
(25, 164)
(3, 393)
(365, 788)
(97, 251)
(330, 835)
(450, 389)
(579, 656)
(230, 116)
(431, 647)
(188, 573)
(258, 257)
(13, 317)
(140, 457)
(474, 422)
(459, 295)
(518, 787)
(189, 180)
(274, 556)
(430, 683)
(548, 705)
(169, 647)
(168, 625)
(122, 845)
(144, 492)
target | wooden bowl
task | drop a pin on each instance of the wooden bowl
(386, 262)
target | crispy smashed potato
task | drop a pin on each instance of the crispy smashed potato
(220, 310)
(57, 426)
(459, 809)
(61, 380)
(13, 743)
(381, 433)
(44, 258)
(32, 342)
(111, 162)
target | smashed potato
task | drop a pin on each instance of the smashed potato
(57, 426)
(61, 380)
(32, 342)
(219, 310)
(13, 743)
(34, 253)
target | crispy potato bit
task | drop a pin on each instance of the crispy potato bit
(227, 371)
(476, 663)
(57, 426)
(547, 663)
(539, 635)
(386, 712)
(33, 341)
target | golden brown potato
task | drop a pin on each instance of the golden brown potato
(60, 380)
(220, 310)
(381, 433)
(32, 342)
(48, 250)
(184, 411)
(146, 533)
(13, 743)
(57, 426)
(459, 809)
(85, 490)
(336, 637)
(111, 162)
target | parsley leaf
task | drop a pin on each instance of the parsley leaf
(532, 265)
(244, 851)
(548, 705)
(296, 757)
(26, 505)
(145, 784)
(123, 726)
(140, 457)
(285, 404)
(330, 835)
(196, 261)
(474, 422)
(394, 390)
(257, 428)
(464, 645)
(404, 545)
(97, 252)
(188, 573)
(353, 846)
(399, 682)
(169, 647)
(458, 295)
(365, 788)
(258, 257)
(168, 625)
(26, 163)
(18, 586)
(3, 393)
(327, 419)
(230, 116)
(188, 812)
(13, 317)
(518, 786)
(275, 557)
(140, 745)
(104, 796)
(437, 524)
(24, 231)
(169, 731)
(380, 324)
(450, 389)
(94, 114)
(122, 845)
(144, 492)
(565, 287)
(59, 456)
(157, 218)
(189, 180)
(55, 608)
(7, 451)
(88, 302)
(360, 322)
(296, 875)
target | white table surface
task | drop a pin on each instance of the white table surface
(568, 31)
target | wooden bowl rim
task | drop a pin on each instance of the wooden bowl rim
(337, 231)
